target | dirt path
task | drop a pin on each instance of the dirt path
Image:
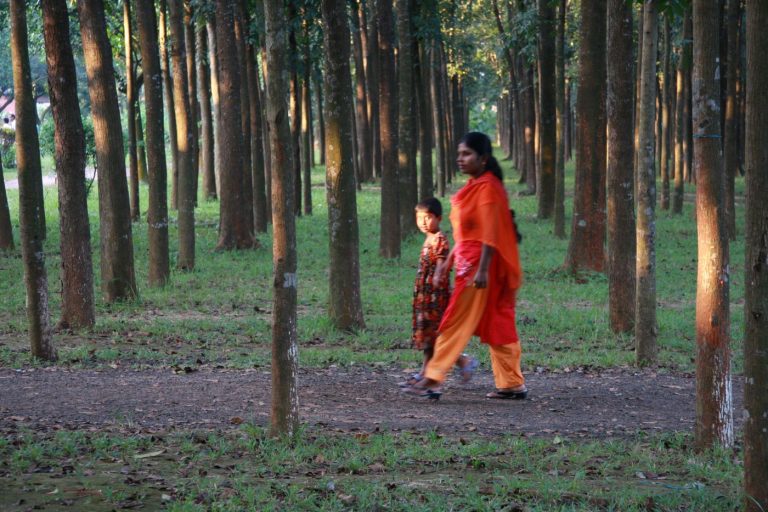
(604, 404)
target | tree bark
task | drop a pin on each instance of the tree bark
(345, 307)
(77, 308)
(645, 299)
(390, 222)
(756, 272)
(194, 109)
(257, 143)
(157, 214)
(407, 120)
(207, 160)
(682, 124)
(30, 179)
(585, 250)
(295, 103)
(6, 231)
(246, 174)
(620, 185)
(285, 392)
(426, 177)
(664, 138)
(233, 230)
(306, 123)
(714, 401)
(130, 99)
(731, 128)
(548, 113)
(438, 123)
(118, 279)
(184, 135)
(372, 75)
(213, 65)
(361, 99)
(170, 103)
(559, 209)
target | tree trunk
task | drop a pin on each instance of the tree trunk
(714, 401)
(118, 280)
(407, 120)
(426, 179)
(559, 208)
(130, 100)
(320, 131)
(194, 109)
(213, 66)
(207, 161)
(6, 231)
(77, 309)
(157, 214)
(257, 142)
(529, 119)
(295, 103)
(372, 73)
(345, 308)
(548, 127)
(140, 145)
(390, 223)
(306, 123)
(731, 140)
(169, 103)
(361, 99)
(585, 250)
(184, 136)
(245, 207)
(756, 273)
(233, 230)
(438, 121)
(285, 392)
(30, 175)
(620, 184)
(645, 300)
(682, 123)
(664, 137)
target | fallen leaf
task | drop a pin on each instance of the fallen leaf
(150, 454)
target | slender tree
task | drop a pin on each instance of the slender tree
(682, 124)
(361, 97)
(131, 97)
(257, 143)
(389, 246)
(756, 273)
(345, 307)
(157, 213)
(184, 135)
(246, 177)
(372, 74)
(285, 392)
(233, 230)
(207, 161)
(407, 120)
(6, 231)
(188, 17)
(663, 118)
(77, 308)
(620, 185)
(559, 209)
(714, 401)
(585, 250)
(170, 103)
(118, 279)
(213, 66)
(548, 125)
(731, 129)
(645, 298)
(426, 177)
(28, 165)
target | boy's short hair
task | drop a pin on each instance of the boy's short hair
(431, 205)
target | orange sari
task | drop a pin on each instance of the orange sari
(480, 215)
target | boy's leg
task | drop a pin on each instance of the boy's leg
(456, 334)
(505, 361)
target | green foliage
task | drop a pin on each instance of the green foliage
(48, 143)
(8, 148)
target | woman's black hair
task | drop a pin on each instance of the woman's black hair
(480, 143)
(430, 205)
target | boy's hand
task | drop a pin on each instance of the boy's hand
(439, 275)
(481, 279)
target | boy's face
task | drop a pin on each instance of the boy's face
(427, 222)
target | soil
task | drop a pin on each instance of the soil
(584, 403)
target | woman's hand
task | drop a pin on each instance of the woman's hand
(481, 279)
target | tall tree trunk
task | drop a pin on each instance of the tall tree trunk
(140, 144)
(559, 209)
(664, 137)
(345, 307)
(6, 231)
(157, 214)
(548, 127)
(714, 400)
(118, 279)
(213, 66)
(320, 118)
(390, 223)
(170, 103)
(207, 162)
(245, 206)
(645, 300)
(407, 121)
(585, 250)
(529, 118)
(620, 185)
(372, 74)
(257, 142)
(295, 103)
(756, 272)
(361, 99)
(682, 123)
(688, 58)
(184, 136)
(285, 392)
(438, 120)
(130, 99)
(306, 123)
(28, 165)
(426, 179)
(194, 108)
(77, 309)
(233, 230)
(731, 128)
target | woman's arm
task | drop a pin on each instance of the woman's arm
(481, 277)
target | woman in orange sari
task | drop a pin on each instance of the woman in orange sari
(487, 268)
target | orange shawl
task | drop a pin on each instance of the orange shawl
(480, 213)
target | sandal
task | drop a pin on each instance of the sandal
(411, 381)
(430, 393)
(468, 370)
(508, 394)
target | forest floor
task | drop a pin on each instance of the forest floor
(578, 404)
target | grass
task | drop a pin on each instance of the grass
(219, 315)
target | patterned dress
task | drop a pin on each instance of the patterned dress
(429, 301)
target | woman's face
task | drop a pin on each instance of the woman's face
(469, 161)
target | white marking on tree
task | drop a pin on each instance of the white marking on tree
(289, 280)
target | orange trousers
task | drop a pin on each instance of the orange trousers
(455, 336)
